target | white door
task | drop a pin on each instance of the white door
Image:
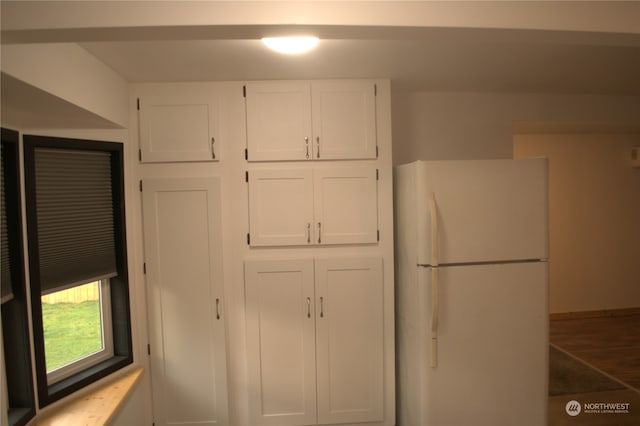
(281, 207)
(344, 119)
(487, 210)
(178, 128)
(280, 317)
(346, 205)
(183, 256)
(492, 346)
(278, 121)
(350, 331)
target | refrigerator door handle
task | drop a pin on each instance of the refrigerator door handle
(435, 316)
(435, 303)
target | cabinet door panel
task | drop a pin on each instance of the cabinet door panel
(346, 205)
(349, 316)
(344, 119)
(182, 236)
(280, 207)
(278, 121)
(178, 128)
(280, 342)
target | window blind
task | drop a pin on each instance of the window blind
(75, 217)
(6, 290)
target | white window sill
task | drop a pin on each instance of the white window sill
(97, 406)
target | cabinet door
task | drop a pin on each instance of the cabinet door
(278, 121)
(349, 318)
(346, 205)
(281, 207)
(178, 128)
(182, 237)
(344, 119)
(281, 342)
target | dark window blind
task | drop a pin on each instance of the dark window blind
(75, 217)
(6, 291)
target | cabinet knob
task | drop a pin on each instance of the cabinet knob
(308, 307)
(319, 233)
(306, 142)
(217, 308)
(317, 146)
(308, 233)
(321, 307)
(213, 152)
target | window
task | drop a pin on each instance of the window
(77, 250)
(15, 329)
(77, 329)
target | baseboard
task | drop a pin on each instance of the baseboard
(595, 314)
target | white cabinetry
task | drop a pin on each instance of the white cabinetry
(183, 258)
(313, 206)
(315, 340)
(179, 128)
(319, 120)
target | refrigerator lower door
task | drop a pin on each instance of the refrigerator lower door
(492, 347)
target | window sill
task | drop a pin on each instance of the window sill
(95, 407)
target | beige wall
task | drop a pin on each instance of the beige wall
(595, 235)
(480, 125)
(594, 202)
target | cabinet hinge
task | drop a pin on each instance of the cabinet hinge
(248, 239)
(375, 90)
(138, 104)
(246, 154)
(377, 175)
(244, 91)
(378, 235)
(139, 155)
(144, 268)
(246, 176)
(149, 350)
(140, 185)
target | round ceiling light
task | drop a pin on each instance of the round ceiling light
(290, 45)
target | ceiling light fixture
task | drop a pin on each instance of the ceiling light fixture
(290, 45)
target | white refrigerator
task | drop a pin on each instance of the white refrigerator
(471, 292)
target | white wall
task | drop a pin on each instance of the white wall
(473, 125)
(70, 73)
(594, 218)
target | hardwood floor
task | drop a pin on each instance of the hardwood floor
(611, 344)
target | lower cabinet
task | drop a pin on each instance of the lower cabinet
(183, 260)
(315, 340)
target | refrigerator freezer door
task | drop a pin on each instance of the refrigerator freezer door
(492, 347)
(487, 210)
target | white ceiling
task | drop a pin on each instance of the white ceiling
(589, 47)
(437, 60)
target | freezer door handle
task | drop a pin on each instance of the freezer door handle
(433, 212)
(435, 261)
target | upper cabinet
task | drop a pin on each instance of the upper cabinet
(313, 206)
(319, 120)
(178, 128)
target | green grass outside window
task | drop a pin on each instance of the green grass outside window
(71, 332)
